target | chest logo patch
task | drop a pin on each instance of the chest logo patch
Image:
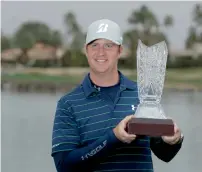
(133, 107)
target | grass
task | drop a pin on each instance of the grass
(187, 77)
(42, 78)
(175, 78)
(182, 78)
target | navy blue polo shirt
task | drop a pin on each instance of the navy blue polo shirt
(83, 128)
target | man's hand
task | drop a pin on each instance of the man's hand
(173, 139)
(121, 133)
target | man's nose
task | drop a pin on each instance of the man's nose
(101, 51)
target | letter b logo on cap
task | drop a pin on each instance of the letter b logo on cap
(102, 28)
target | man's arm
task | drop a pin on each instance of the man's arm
(84, 157)
(66, 151)
(163, 150)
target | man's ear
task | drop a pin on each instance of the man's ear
(120, 50)
(85, 49)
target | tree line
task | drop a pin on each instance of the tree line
(144, 25)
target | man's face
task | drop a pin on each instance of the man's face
(103, 55)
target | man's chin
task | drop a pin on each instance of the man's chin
(101, 71)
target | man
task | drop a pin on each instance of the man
(89, 132)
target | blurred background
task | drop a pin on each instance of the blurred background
(42, 58)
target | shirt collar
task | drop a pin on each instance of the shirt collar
(89, 88)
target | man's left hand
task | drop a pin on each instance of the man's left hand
(175, 138)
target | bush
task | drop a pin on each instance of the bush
(74, 58)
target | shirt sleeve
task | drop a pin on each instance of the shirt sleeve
(66, 149)
(65, 135)
(162, 150)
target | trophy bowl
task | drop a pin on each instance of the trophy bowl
(149, 118)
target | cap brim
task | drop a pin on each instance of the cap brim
(101, 37)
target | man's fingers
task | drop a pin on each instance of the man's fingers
(128, 118)
(174, 140)
(176, 128)
(127, 137)
(125, 134)
(121, 133)
(130, 138)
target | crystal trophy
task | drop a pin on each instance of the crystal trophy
(149, 118)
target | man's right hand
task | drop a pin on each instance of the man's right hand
(120, 131)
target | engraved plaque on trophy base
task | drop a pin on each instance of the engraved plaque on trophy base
(150, 127)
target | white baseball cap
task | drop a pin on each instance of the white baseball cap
(105, 29)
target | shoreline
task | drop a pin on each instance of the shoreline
(40, 79)
(50, 86)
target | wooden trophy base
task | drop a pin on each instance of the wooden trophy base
(151, 127)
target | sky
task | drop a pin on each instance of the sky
(13, 14)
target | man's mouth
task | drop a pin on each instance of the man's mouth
(101, 61)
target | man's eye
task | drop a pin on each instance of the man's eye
(109, 45)
(94, 45)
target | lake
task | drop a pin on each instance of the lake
(27, 120)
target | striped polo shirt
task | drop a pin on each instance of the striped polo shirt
(83, 125)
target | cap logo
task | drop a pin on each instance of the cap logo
(102, 28)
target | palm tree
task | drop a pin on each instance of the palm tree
(147, 28)
(130, 41)
(197, 14)
(74, 32)
(143, 21)
(192, 37)
(195, 31)
(144, 18)
(56, 38)
(168, 21)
